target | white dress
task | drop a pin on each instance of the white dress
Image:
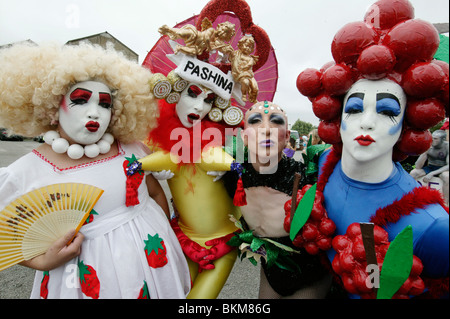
(113, 262)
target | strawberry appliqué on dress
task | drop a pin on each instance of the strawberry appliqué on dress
(44, 285)
(155, 251)
(133, 182)
(90, 218)
(144, 294)
(90, 285)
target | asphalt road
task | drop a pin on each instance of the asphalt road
(16, 282)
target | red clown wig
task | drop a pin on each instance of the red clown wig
(391, 44)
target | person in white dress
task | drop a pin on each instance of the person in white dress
(93, 106)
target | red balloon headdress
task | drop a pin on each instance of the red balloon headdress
(391, 44)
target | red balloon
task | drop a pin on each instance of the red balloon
(376, 62)
(424, 114)
(418, 286)
(326, 107)
(417, 266)
(327, 65)
(424, 80)
(351, 40)
(329, 131)
(340, 242)
(327, 227)
(443, 65)
(337, 79)
(412, 41)
(415, 142)
(398, 156)
(353, 231)
(308, 82)
(385, 14)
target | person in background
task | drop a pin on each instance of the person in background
(314, 136)
(289, 150)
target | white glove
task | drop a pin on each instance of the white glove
(164, 174)
(217, 174)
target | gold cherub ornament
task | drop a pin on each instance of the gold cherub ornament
(242, 62)
(197, 42)
(209, 40)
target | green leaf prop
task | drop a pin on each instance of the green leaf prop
(397, 264)
(303, 211)
(442, 51)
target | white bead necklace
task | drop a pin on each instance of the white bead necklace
(76, 151)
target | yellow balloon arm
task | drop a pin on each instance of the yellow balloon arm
(213, 159)
(216, 159)
(159, 161)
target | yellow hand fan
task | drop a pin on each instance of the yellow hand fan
(35, 220)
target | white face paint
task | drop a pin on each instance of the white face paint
(372, 119)
(195, 103)
(85, 112)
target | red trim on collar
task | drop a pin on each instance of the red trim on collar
(57, 169)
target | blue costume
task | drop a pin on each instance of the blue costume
(348, 201)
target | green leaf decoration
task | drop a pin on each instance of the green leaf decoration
(281, 246)
(234, 146)
(256, 243)
(397, 264)
(83, 271)
(234, 241)
(303, 211)
(311, 158)
(131, 159)
(153, 243)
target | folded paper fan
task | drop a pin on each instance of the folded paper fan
(31, 223)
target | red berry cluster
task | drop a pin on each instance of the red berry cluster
(350, 264)
(316, 234)
(391, 44)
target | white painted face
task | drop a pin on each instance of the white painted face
(195, 103)
(85, 112)
(372, 119)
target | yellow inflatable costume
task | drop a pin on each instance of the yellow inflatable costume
(203, 206)
(195, 97)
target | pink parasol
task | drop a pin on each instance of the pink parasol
(266, 75)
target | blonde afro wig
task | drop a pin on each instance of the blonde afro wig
(33, 80)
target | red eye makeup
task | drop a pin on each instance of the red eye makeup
(194, 90)
(105, 100)
(80, 96)
(210, 98)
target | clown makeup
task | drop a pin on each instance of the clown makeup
(265, 133)
(372, 119)
(195, 103)
(85, 112)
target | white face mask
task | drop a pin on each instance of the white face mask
(195, 103)
(372, 119)
(85, 112)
